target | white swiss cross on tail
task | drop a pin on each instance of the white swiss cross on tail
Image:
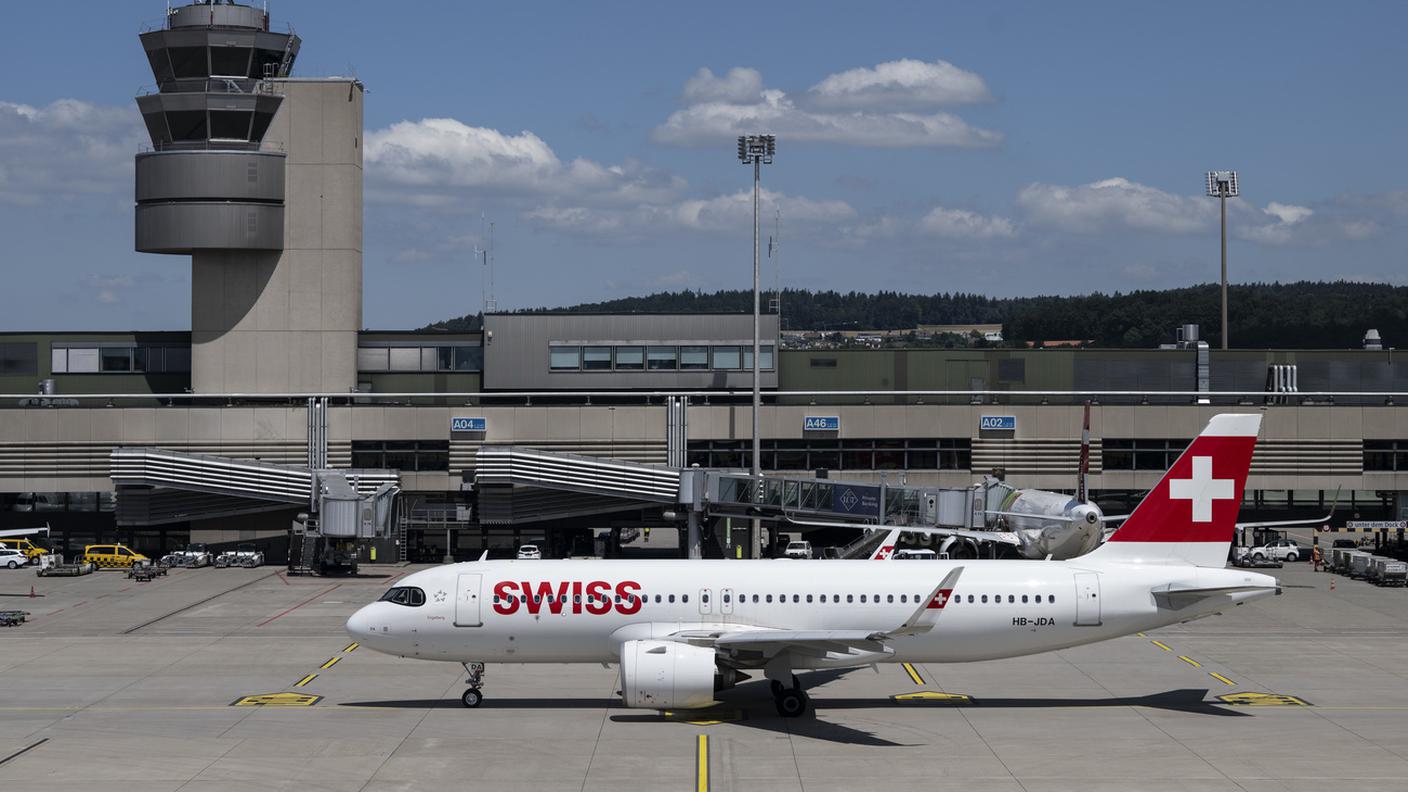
(1202, 489)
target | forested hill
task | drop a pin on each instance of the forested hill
(1305, 315)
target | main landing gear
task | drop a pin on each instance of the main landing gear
(473, 697)
(791, 702)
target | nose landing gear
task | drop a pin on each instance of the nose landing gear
(473, 697)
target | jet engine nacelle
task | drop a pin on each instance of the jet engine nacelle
(666, 675)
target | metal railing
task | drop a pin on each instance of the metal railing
(809, 398)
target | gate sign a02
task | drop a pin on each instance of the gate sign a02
(998, 422)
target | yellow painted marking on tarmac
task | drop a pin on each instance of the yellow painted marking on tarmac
(701, 763)
(305, 680)
(330, 663)
(704, 717)
(1161, 645)
(277, 700)
(352, 647)
(1263, 700)
(1220, 678)
(909, 669)
(1141, 635)
(1190, 661)
(934, 695)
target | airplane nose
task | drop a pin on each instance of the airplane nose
(359, 626)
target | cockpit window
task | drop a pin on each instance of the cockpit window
(405, 595)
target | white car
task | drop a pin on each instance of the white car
(915, 554)
(1279, 550)
(12, 559)
(530, 552)
(800, 549)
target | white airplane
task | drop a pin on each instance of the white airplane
(682, 630)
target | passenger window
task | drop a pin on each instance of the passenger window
(1012, 599)
(672, 598)
(823, 598)
(985, 598)
(1038, 599)
(889, 597)
(684, 598)
(862, 598)
(657, 599)
(755, 599)
(1051, 598)
(970, 597)
(727, 600)
(769, 598)
(904, 598)
(704, 598)
(809, 598)
(796, 598)
(1024, 599)
(850, 598)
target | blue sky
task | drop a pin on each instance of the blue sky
(1007, 149)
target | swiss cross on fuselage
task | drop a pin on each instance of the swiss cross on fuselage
(1202, 489)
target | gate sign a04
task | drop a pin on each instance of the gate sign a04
(469, 424)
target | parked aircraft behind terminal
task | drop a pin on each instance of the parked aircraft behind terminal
(682, 630)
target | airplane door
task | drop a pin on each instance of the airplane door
(726, 601)
(1087, 598)
(705, 606)
(467, 601)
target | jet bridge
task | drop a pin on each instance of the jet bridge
(156, 486)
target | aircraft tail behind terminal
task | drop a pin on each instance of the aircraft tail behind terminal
(1190, 515)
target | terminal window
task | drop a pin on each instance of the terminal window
(19, 359)
(942, 453)
(119, 359)
(659, 357)
(399, 357)
(1385, 455)
(1140, 454)
(404, 455)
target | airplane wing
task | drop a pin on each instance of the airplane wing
(770, 642)
(1001, 537)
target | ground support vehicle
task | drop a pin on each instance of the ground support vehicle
(1260, 560)
(1358, 564)
(12, 618)
(244, 555)
(52, 565)
(798, 549)
(1389, 571)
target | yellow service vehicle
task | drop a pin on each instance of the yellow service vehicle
(110, 556)
(29, 548)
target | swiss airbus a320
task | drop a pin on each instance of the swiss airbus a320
(682, 630)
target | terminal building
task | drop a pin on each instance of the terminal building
(255, 174)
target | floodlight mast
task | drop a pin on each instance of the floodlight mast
(757, 150)
(1223, 185)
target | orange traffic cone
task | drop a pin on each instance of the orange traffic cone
(1332, 584)
(31, 591)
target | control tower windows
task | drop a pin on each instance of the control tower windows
(187, 125)
(266, 63)
(189, 62)
(229, 61)
(229, 125)
(261, 125)
(161, 65)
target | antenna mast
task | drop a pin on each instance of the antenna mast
(775, 253)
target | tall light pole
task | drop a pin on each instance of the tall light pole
(1223, 185)
(757, 150)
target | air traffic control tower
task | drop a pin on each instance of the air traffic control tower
(257, 176)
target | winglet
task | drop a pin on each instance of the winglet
(484, 556)
(927, 614)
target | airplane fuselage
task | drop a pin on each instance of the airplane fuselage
(582, 611)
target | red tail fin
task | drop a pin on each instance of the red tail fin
(1190, 515)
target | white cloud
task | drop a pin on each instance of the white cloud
(901, 83)
(732, 212)
(1114, 203)
(1288, 213)
(740, 85)
(964, 224)
(65, 149)
(1276, 225)
(720, 109)
(421, 160)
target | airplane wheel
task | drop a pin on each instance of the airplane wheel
(472, 698)
(777, 688)
(792, 703)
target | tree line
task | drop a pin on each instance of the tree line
(1301, 315)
